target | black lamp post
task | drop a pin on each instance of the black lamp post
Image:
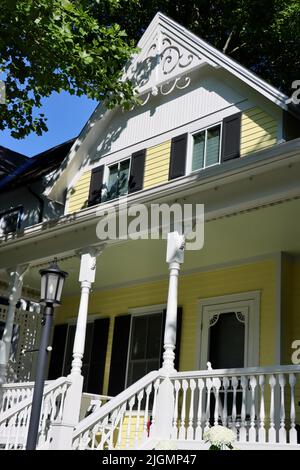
(52, 281)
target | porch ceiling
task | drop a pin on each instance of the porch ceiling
(251, 234)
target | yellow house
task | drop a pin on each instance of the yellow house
(164, 361)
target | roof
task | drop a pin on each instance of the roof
(19, 170)
(10, 161)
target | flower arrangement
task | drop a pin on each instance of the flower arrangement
(220, 438)
(165, 445)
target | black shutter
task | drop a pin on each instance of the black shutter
(96, 186)
(178, 335)
(178, 156)
(117, 374)
(231, 137)
(98, 356)
(58, 351)
(136, 179)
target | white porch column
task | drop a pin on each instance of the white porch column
(175, 256)
(16, 276)
(86, 278)
(165, 397)
(62, 431)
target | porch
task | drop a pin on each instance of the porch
(258, 398)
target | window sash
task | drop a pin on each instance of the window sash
(206, 147)
(118, 179)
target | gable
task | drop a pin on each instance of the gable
(181, 80)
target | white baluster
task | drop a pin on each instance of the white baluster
(114, 417)
(282, 430)
(262, 430)
(146, 415)
(242, 437)
(252, 430)
(131, 404)
(156, 386)
(225, 410)
(190, 431)
(293, 432)
(272, 430)
(235, 383)
(177, 387)
(137, 424)
(208, 390)
(182, 428)
(95, 431)
(120, 435)
(216, 385)
(198, 435)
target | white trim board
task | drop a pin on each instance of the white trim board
(246, 300)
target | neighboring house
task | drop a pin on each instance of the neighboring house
(211, 132)
(22, 204)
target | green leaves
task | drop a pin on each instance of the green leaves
(52, 45)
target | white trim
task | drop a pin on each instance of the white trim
(147, 309)
(246, 300)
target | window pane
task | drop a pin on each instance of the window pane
(212, 146)
(226, 342)
(139, 337)
(198, 151)
(112, 186)
(154, 336)
(123, 177)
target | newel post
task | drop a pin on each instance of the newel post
(62, 431)
(165, 397)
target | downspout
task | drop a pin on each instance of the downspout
(41, 203)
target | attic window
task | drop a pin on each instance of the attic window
(10, 220)
(206, 148)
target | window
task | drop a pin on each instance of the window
(145, 345)
(117, 181)
(206, 148)
(10, 220)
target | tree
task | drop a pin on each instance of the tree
(81, 46)
(264, 36)
(54, 45)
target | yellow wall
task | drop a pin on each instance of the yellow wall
(157, 164)
(291, 319)
(258, 131)
(77, 196)
(255, 276)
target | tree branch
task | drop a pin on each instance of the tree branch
(228, 41)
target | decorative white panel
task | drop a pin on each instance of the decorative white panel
(27, 327)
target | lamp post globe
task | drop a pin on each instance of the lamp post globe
(52, 282)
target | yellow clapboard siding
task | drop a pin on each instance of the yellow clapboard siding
(248, 277)
(157, 165)
(78, 195)
(258, 131)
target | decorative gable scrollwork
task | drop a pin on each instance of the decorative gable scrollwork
(163, 68)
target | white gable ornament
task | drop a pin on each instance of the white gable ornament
(163, 67)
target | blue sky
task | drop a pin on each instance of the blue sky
(66, 117)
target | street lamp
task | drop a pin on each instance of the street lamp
(52, 281)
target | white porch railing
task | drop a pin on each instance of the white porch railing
(257, 403)
(123, 422)
(13, 393)
(14, 421)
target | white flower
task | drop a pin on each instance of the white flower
(165, 445)
(220, 436)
